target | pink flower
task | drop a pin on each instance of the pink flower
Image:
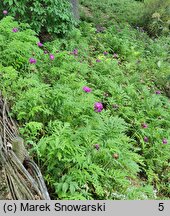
(105, 53)
(145, 139)
(39, 44)
(5, 12)
(144, 125)
(98, 107)
(164, 141)
(51, 56)
(96, 146)
(158, 92)
(32, 61)
(115, 55)
(86, 89)
(45, 51)
(75, 51)
(98, 60)
(15, 29)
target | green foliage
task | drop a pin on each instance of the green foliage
(58, 120)
(83, 169)
(12, 43)
(151, 15)
(156, 17)
(52, 16)
(116, 11)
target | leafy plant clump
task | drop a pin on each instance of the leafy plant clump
(156, 17)
(47, 16)
(152, 16)
(115, 12)
(93, 108)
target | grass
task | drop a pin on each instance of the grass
(120, 152)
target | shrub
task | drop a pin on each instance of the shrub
(117, 150)
(52, 16)
(156, 17)
(12, 43)
(116, 11)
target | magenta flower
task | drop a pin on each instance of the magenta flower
(32, 61)
(15, 29)
(164, 141)
(144, 125)
(45, 51)
(115, 55)
(51, 56)
(145, 139)
(86, 89)
(158, 92)
(5, 12)
(98, 60)
(75, 51)
(39, 44)
(96, 146)
(98, 107)
(105, 53)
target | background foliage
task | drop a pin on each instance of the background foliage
(121, 152)
(156, 17)
(152, 15)
(46, 16)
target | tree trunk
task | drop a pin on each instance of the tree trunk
(75, 8)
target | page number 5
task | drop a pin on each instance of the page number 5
(161, 207)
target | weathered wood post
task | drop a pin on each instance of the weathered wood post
(20, 177)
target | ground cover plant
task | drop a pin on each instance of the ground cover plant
(151, 15)
(47, 16)
(93, 106)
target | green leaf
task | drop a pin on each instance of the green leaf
(59, 155)
(159, 64)
(10, 2)
(72, 188)
(65, 187)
